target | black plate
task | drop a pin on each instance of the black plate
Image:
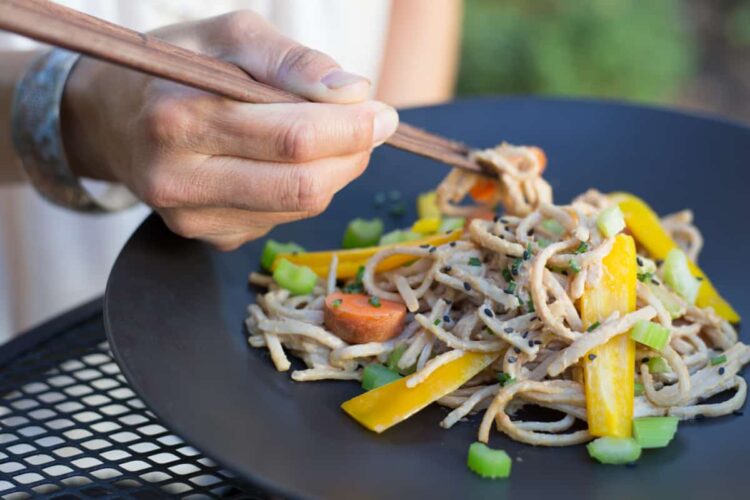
(175, 309)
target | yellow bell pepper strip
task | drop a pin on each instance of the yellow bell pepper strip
(426, 225)
(609, 370)
(351, 260)
(386, 406)
(646, 228)
(427, 205)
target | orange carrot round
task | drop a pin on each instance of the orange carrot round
(359, 319)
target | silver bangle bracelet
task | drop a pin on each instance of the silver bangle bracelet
(37, 137)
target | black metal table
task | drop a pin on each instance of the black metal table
(71, 427)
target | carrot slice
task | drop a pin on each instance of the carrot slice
(359, 319)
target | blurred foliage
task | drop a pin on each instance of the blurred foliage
(738, 24)
(636, 49)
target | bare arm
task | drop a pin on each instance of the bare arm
(12, 66)
(421, 55)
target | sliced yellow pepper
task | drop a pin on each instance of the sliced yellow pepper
(427, 205)
(351, 260)
(386, 406)
(646, 228)
(426, 225)
(609, 370)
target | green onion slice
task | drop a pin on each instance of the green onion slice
(273, 248)
(719, 360)
(614, 451)
(650, 334)
(610, 221)
(362, 233)
(654, 432)
(375, 375)
(678, 276)
(300, 280)
(488, 463)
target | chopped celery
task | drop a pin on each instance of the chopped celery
(398, 236)
(375, 375)
(719, 360)
(488, 463)
(426, 225)
(362, 233)
(669, 301)
(638, 389)
(451, 224)
(654, 432)
(650, 334)
(614, 451)
(610, 221)
(658, 365)
(395, 356)
(552, 227)
(300, 280)
(427, 205)
(678, 276)
(273, 248)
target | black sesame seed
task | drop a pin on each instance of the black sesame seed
(449, 302)
(467, 286)
(531, 233)
(512, 359)
(446, 269)
(639, 261)
(525, 334)
(495, 218)
(488, 312)
(503, 220)
(517, 350)
(659, 262)
(592, 357)
(631, 464)
(699, 278)
(739, 413)
(424, 246)
(533, 318)
(721, 371)
(509, 330)
(502, 237)
(453, 243)
(432, 249)
(538, 342)
(531, 343)
(644, 360)
(446, 319)
(655, 282)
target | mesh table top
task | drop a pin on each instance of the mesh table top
(71, 427)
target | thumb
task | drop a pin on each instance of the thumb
(272, 58)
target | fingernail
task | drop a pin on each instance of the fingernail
(386, 121)
(337, 79)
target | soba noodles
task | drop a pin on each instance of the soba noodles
(455, 307)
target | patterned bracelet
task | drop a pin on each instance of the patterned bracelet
(35, 124)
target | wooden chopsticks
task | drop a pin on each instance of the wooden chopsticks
(58, 25)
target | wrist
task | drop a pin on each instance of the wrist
(78, 114)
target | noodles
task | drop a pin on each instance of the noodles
(510, 287)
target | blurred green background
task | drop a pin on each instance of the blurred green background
(691, 53)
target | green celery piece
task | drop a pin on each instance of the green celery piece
(614, 451)
(678, 276)
(488, 463)
(650, 334)
(553, 227)
(654, 432)
(451, 223)
(673, 306)
(273, 248)
(610, 221)
(300, 280)
(361, 233)
(399, 236)
(658, 365)
(375, 375)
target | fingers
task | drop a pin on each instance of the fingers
(256, 186)
(249, 41)
(293, 132)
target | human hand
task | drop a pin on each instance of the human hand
(216, 169)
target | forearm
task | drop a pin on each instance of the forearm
(421, 56)
(12, 66)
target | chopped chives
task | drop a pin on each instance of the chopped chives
(574, 266)
(375, 301)
(436, 322)
(645, 277)
(717, 360)
(336, 303)
(511, 288)
(530, 306)
(527, 253)
(516, 266)
(593, 326)
(505, 379)
(507, 275)
(583, 247)
(474, 261)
